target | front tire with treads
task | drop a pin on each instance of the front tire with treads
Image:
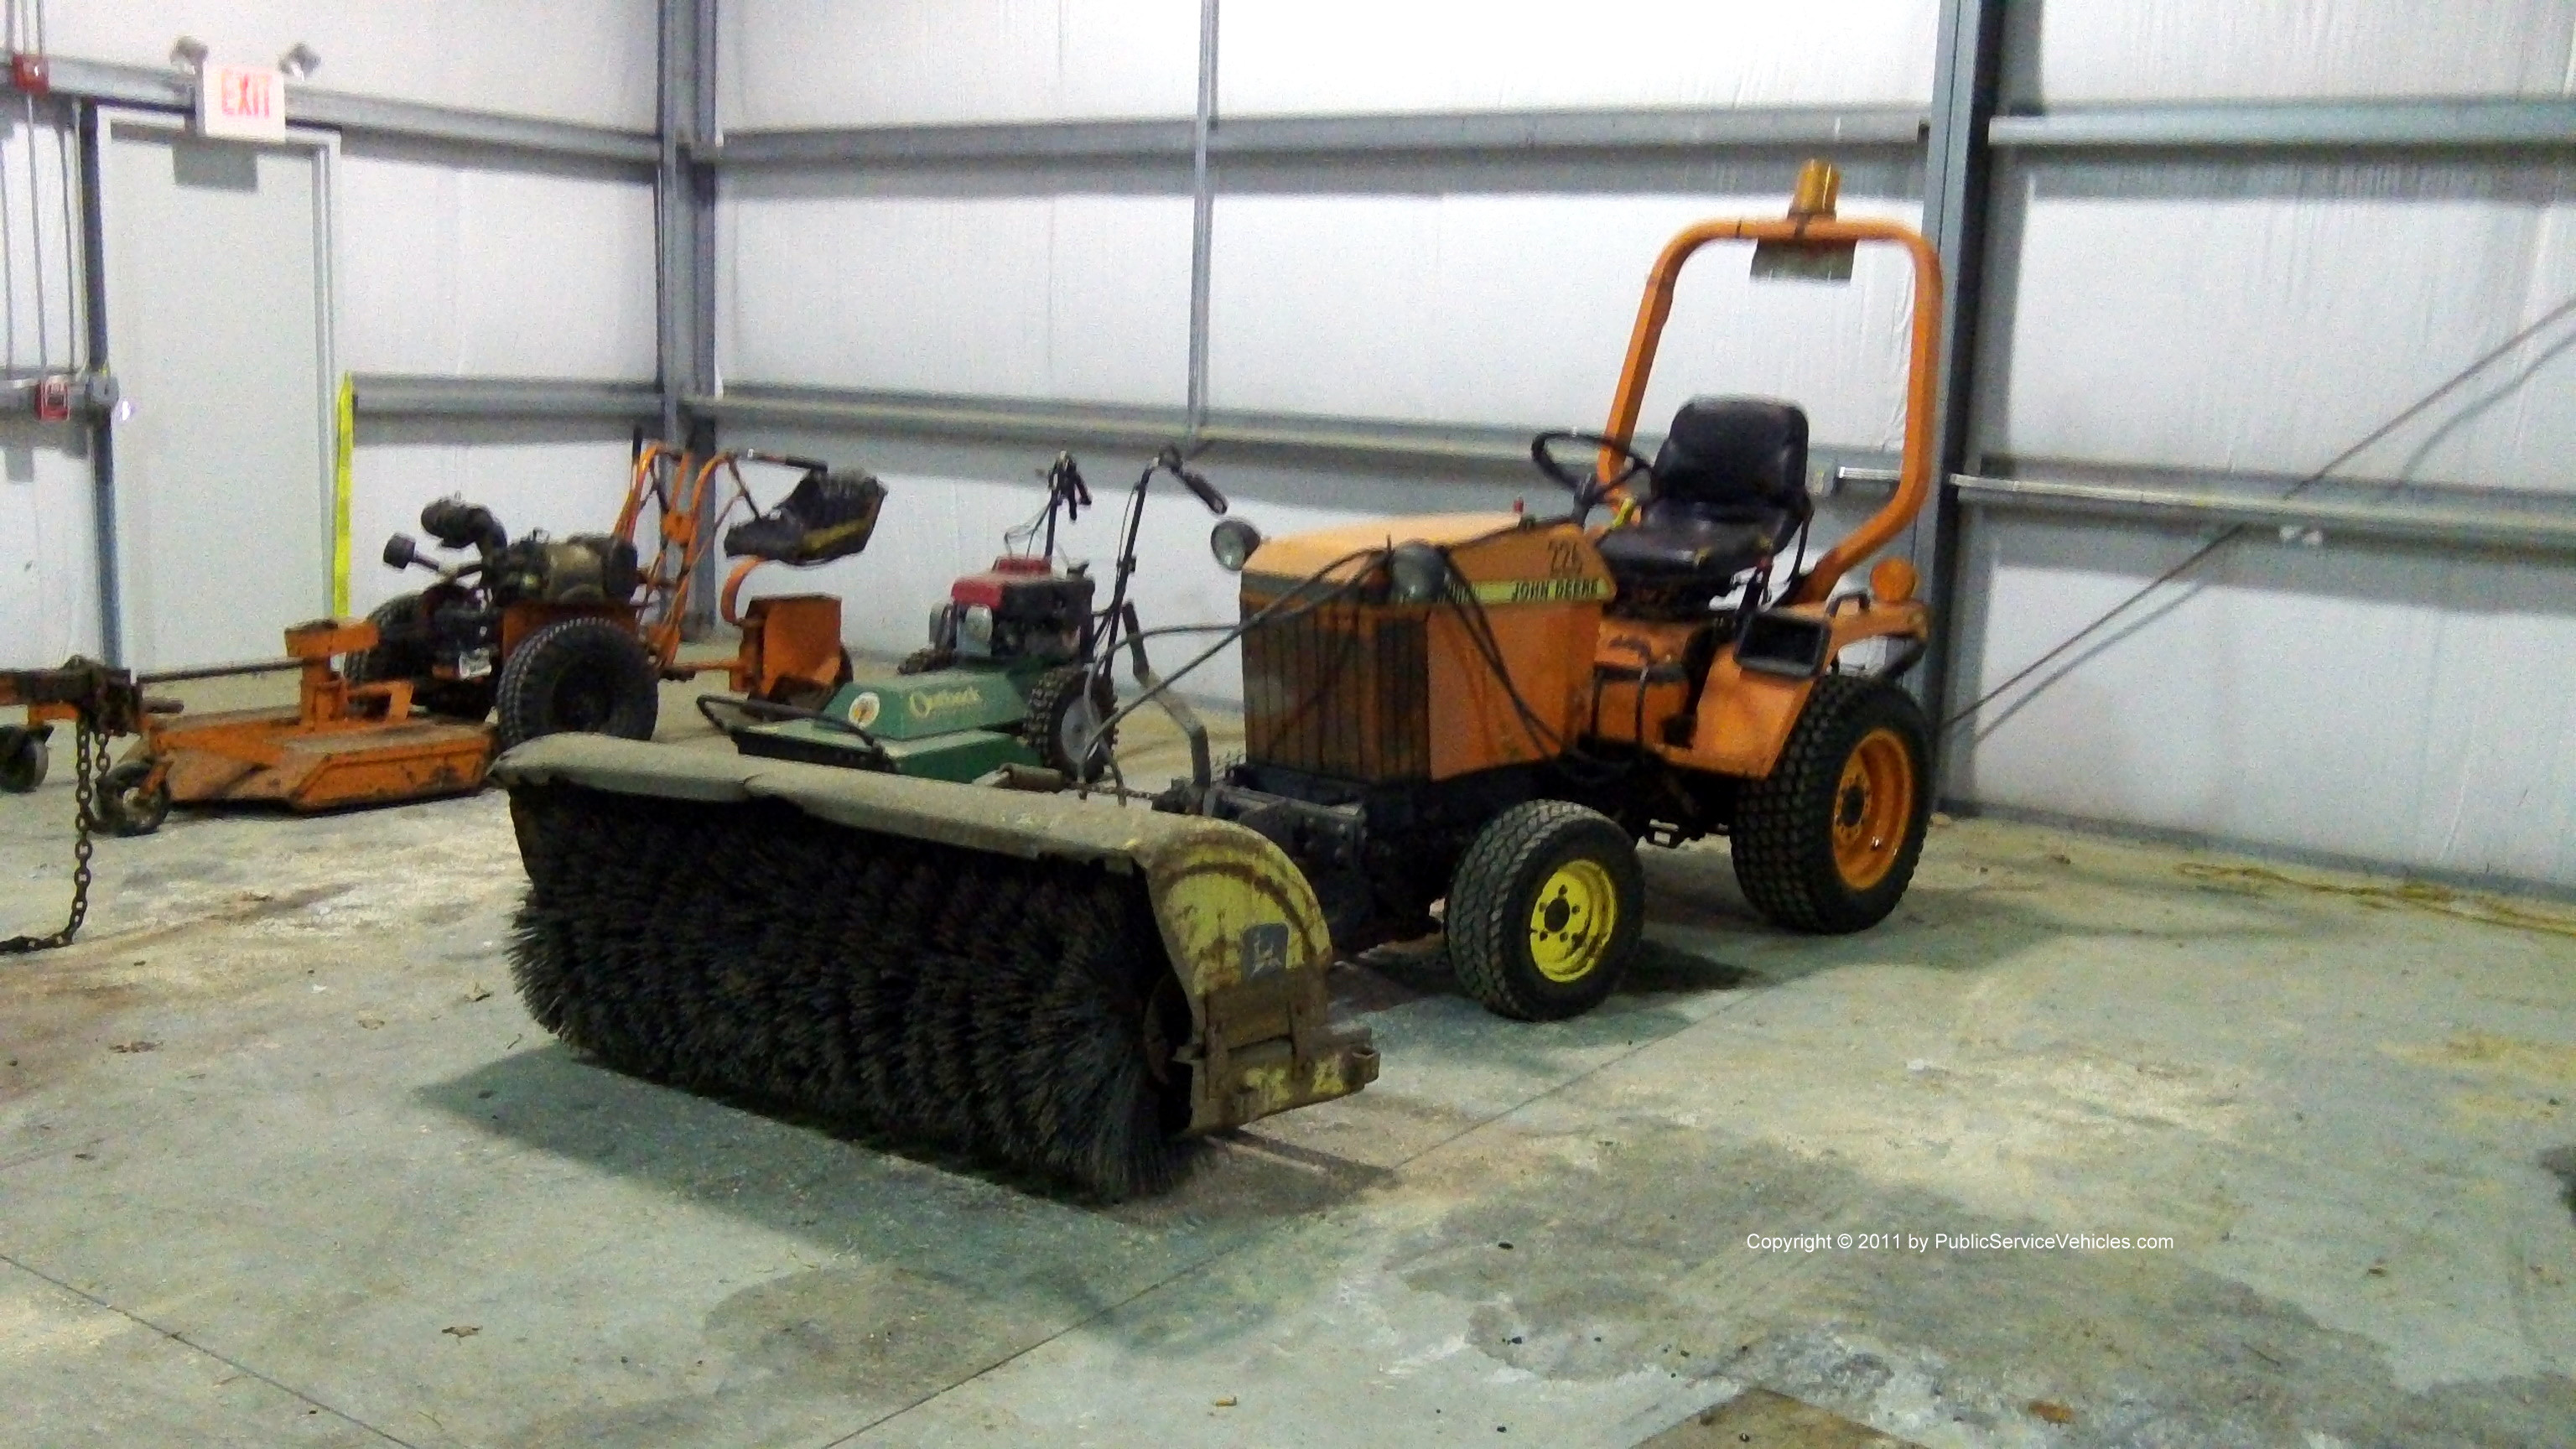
(1827, 842)
(1545, 911)
(1065, 706)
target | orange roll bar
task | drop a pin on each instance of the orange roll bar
(1914, 479)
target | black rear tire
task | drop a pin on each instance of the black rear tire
(1857, 766)
(1065, 705)
(1526, 934)
(579, 676)
(23, 758)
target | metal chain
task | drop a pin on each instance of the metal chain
(89, 759)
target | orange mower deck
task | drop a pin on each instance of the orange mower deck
(339, 745)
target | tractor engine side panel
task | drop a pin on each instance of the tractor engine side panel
(1479, 720)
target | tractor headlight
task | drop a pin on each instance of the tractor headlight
(1417, 573)
(1232, 541)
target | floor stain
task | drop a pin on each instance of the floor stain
(2543, 1063)
(2560, 1163)
(1637, 1260)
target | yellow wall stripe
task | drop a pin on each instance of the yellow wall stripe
(345, 423)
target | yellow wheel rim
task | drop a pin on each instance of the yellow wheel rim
(1873, 805)
(1571, 921)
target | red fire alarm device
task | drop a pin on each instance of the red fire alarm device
(54, 398)
(29, 73)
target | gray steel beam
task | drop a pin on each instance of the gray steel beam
(1966, 76)
(1202, 218)
(135, 85)
(1489, 132)
(102, 429)
(1482, 450)
(2530, 527)
(684, 247)
(1481, 133)
(2439, 125)
(393, 395)
(1049, 141)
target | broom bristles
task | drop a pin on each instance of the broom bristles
(982, 1004)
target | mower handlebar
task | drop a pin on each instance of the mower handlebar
(1170, 461)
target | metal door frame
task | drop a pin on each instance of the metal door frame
(98, 135)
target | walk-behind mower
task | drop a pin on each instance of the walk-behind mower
(1017, 672)
(1491, 710)
(575, 633)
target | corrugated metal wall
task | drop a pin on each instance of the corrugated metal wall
(2260, 314)
(2180, 314)
(1409, 292)
(49, 602)
(447, 262)
(567, 60)
(491, 268)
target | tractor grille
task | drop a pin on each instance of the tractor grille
(1339, 691)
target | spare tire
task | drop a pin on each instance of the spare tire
(402, 651)
(579, 676)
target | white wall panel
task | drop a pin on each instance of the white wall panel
(1046, 296)
(573, 60)
(2393, 706)
(40, 276)
(2266, 320)
(1445, 55)
(48, 537)
(2128, 50)
(562, 479)
(892, 62)
(1517, 310)
(493, 272)
(49, 607)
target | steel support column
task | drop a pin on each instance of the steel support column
(102, 430)
(1966, 75)
(1202, 220)
(684, 225)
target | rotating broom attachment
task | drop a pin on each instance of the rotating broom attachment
(1010, 1010)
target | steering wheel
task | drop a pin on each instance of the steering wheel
(1587, 487)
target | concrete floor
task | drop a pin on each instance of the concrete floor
(282, 1162)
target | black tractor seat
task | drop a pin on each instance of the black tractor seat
(1730, 488)
(826, 516)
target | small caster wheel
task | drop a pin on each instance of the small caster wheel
(128, 803)
(23, 758)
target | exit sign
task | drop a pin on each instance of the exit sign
(244, 102)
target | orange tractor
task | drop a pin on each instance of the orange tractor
(1494, 710)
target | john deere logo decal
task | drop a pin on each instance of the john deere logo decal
(925, 703)
(863, 710)
(1265, 949)
(1534, 591)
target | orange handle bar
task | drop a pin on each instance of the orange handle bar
(1914, 478)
